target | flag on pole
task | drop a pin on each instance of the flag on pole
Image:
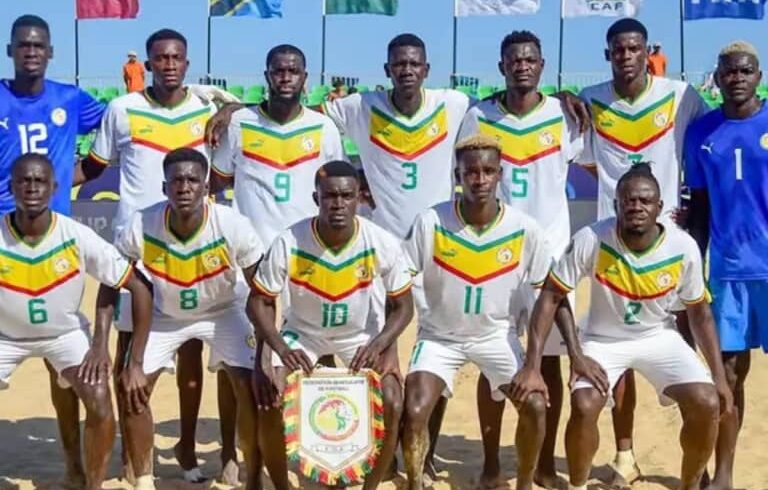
(105, 9)
(380, 7)
(259, 8)
(605, 8)
(708, 9)
(496, 7)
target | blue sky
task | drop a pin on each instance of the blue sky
(356, 45)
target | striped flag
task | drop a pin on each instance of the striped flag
(259, 8)
(604, 8)
(380, 7)
(106, 9)
(496, 7)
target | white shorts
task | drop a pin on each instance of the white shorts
(316, 347)
(64, 351)
(523, 301)
(499, 356)
(664, 359)
(228, 333)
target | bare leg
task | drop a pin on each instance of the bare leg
(699, 407)
(625, 397)
(227, 425)
(422, 392)
(435, 425)
(491, 413)
(272, 438)
(99, 427)
(582, 437)
(123, 341)
(546, 475)
(189, 381)
(246, 416)
(529, 438)
(393, 410)
(139, 434)
(67, 408)
(737, 366)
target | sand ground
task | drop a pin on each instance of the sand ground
(30, 455)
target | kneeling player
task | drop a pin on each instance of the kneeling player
(475, 253)
(44, 257)
(329, 265)
(637, 269)
(193, 249)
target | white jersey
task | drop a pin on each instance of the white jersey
(42, 285)
(331, 292)
(138, 132)
(470, 278)
(274, 165)
(408, 161)
(536, 150)
(193, 278)
(631, 294)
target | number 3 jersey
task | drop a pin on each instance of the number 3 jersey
(193, 277)
(471, 277)
(42, 285)
(331, 291)
(631, 294)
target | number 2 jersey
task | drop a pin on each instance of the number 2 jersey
(631, 294)
(42, 285)
(274, 165)
(536, 150)
(470, 278)
(195, 277)
(408, 161)
(331, 291)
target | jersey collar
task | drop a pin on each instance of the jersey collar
(344, 248)
(193, 236)
(15, 233)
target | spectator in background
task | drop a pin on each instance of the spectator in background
(339, 90)
(380, 88)
(133, 73)
(352, 90)
(657, 61)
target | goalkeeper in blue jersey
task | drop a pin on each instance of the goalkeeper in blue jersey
(726, 168)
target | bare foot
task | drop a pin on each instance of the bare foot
(74, 480)
(546, 480)
(230, 473)
(491, 482)
(430, 469)
(391, 473)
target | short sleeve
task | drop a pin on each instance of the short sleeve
(574, 141)
(577, 260)
(469, 125)
(332, 148)
(224, 156)
(692, 288)
(459, 104)
(416, 243)
(344, 112)
(393, 266)
(104, 149)
(587, 156)
(273, 269)
(130, 239)
(539, 260)
(247, 246)
(103, 261)
(89, 112)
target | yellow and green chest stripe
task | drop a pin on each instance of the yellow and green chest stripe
(524, 146)
(477, 263)
(332, 281)
(637, 282)
(35, 276)
(185, 269)
(633, 132)
(167, 133)
(408, 142)
(281, 150)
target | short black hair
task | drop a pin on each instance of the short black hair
(31, 157)
(626, 25)
(185, 155)
(406, 40)
(336, 168)
(520, 37)
(641, 170)
(286, 49)
(30, 21)
(165, 35)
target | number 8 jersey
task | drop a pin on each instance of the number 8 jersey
(194, 277)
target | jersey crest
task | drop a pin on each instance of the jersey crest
(167, 133)
(281, 150)
(405, 141)
(35, 276)
(185, 269)
(477, 263)
(633, 282)
(633, 132)
(521, 147)
(333, 282)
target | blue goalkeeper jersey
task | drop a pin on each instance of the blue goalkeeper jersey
(729, 159)
(47, 123)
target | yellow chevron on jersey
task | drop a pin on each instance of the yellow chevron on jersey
(634, 132)
(165, 134)
(521, 147)
(333, 282)
(185, 269)
(35, 276)
(281, 150)
(637, 283)
(404, 141)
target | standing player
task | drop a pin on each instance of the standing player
(193, 250)
(330, 306)
(727, 169)
(637, 268)
(42, 116)
(44, 257)
(636, 117)
(537, 141)
(272, 151)
(138, 130)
